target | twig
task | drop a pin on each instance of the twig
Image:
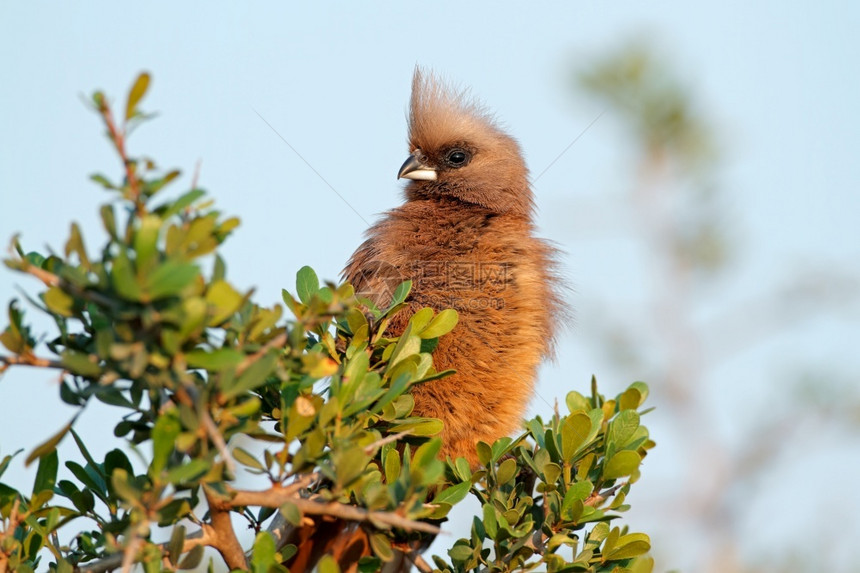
(536, 542)
(302, 482)
(222, 533)
(199, 537)
(218, 440)
(49, 278)
(279, 340)
(11, 526)
(130, 552)
(30, 360)
(419, 562)
(52, 280)
(279, 525)
(597, 498)
(371, 448)
(276, 496)
(184, 394)
(196, 176)
(118, 139)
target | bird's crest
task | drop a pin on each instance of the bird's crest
(440, 114)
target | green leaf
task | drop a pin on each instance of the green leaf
(551, 444)
(326, 294)
(193, 558)
(572, 505)
(113, 396)
(91, 476)
(400, 293)
(307, 284)
(291, 513)
(153, 186)
(622, 464)
(372, 564)
(463, 469)
(146, 242)
(623, 427)
(263, 554)
(485, 453)
(122, 485)
(328, 565)
(82, 448)
(109, 221)
(398, 387)
(219, 269)
(246, 458)
(643, 390)
(138, 90)
(392, 465)
(628, 546)
(551, 472)
(245, 408)
(349, 464)
(124, 279)
(102, 180)
(580, 490)
(381, 546)
(174, 546)
(490, 522)
(419, 426)
(80, 364)
(253, 376)
(117, 459)
(407, 346)
(6, 459)
(50, 445)
(575, 429)
(169, 278)
(576, 402)
(75, 244)
(188, 472)
(442, 323)
(224, 299)
(181, 203)
(461, 553)
(58, 301)
(164, 433)
(454, 494)
(426, 453)
(559, 539)
(420, 319)
(224, 227)
(507, 470)
(46, 475)
(354, 371)
(501, 447)
(214, 361)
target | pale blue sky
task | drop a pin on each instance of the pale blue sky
(778, 79)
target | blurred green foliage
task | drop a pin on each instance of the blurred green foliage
(679, 154)
(650, 99)
(152, 327)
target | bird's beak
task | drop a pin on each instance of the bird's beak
(415, 169)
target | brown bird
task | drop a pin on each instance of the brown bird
(465, 237)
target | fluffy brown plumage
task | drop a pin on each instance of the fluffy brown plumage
(465, 236)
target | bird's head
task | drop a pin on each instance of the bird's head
(458, 151)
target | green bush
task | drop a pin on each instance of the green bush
(152, 327)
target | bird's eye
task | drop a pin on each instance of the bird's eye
(457, 158)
